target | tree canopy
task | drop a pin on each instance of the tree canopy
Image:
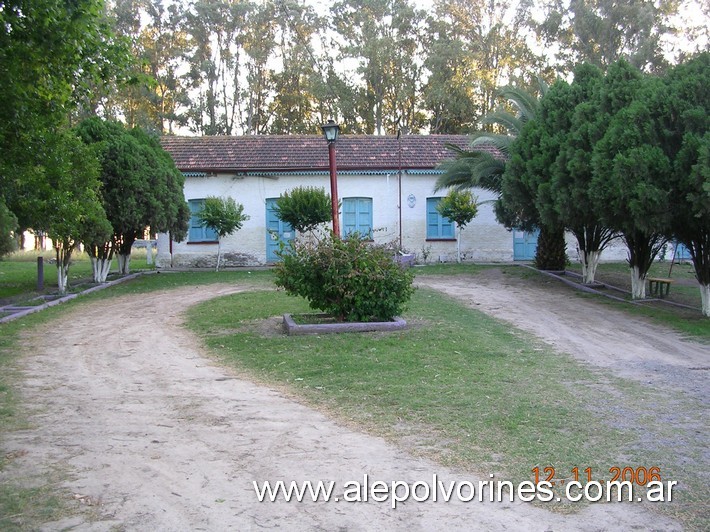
(461, 206)
(377, 66)
(304, 208)
(141, 188)
(224, 216)
(630, 183)
(8, 227)
(621, 152)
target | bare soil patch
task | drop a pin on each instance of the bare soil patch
(632, 347)
(153, 435)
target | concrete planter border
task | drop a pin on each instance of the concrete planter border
(294, 329)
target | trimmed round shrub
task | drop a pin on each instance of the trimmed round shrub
(304, 208)
(349, 278)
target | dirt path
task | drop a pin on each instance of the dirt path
(155, 436)
(593, 333)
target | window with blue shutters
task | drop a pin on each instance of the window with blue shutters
(357, 216)
(437, 226)
(198, 232)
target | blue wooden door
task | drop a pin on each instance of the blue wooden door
(276, 231)
(524, 244)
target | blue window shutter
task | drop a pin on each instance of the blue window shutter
(198, 232)
(432, 218)
(349, 215)
(195, 233)
(357, 216)
(365, 217)
(210, 235)
(447, 227)
(437, 226)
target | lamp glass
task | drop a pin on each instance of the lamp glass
(330, 130)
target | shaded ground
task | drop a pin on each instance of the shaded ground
(155, 436)
(632, 347)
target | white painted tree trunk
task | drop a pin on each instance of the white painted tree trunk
(124, 264)
(101, 269)
(458, 247)
(219, 253)
(638, 284)
(63, 255)
(705, 298)
(62, 277)
(590, 261)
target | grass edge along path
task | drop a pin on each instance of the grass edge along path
(459, 386)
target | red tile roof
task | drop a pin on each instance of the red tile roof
(277, 153)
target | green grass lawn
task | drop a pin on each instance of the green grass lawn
(18, 274)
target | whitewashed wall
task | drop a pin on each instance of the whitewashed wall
(483, 240)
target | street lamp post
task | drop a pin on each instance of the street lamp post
(330, 131)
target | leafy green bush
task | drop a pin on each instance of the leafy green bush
(8, 225)
(351, 279)
(304, 208)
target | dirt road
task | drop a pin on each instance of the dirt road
(154, 436)
(593, 333)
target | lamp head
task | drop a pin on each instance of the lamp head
(330, 131)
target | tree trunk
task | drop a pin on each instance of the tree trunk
(642, 249)
(101, 257)
(458, 247)
(124, 263)
(550, 253)
(590, 261)
(63, 256)
(705, 298)
(123, 247)
(699, 247)
(62, 278)
(591, 241)
(638, 283)
(101, 268)
(219, 252)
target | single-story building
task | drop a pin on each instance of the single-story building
(385, 185)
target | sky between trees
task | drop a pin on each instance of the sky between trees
(376, 66)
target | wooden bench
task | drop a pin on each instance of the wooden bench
(659, 287)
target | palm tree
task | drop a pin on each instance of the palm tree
(483, 165)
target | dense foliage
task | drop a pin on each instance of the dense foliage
(219, 67)
(630, 188)
(66, 200)
(50, 51)
(621, 152)
(304, 208)
(349, 278)
(8, 227)
(461, 206)
(141, 188)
